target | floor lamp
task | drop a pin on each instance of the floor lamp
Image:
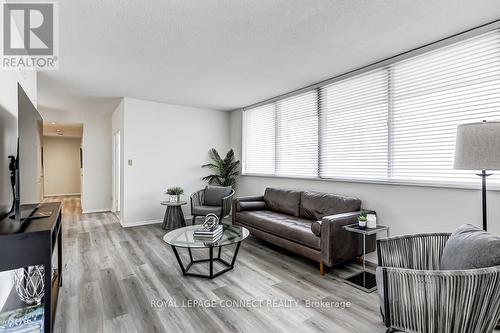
(478, 148)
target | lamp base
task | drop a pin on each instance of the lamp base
(483, 175)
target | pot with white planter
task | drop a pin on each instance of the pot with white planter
(362, 220)
(175, 193)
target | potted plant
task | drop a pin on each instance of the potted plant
(362, 219)
(225, 170)
(175, 193)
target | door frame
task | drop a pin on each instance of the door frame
(117, 172)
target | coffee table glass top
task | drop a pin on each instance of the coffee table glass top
(183, 237)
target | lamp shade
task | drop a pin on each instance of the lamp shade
(478, 146)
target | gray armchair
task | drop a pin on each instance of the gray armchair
(212, 199)
(418, 297)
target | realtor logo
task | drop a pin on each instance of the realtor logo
(30, 38)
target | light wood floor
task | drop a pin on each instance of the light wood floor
(112, 275)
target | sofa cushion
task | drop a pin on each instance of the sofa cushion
(215, 194)
(316, 205)
(470, 247)
(292, 228)
(251, 205)
(204, 210)
(282, 201)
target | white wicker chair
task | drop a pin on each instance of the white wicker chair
(418, 297)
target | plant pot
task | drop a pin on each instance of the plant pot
(362, 224)
(173, 198)
(178, 198)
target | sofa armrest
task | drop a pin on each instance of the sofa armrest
(237, 201)
(339, 245)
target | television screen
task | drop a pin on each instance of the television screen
(29, 182)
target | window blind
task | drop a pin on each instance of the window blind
(259, 144)
(395, 123)
(297, 135)
(435, 92)
(354, 114)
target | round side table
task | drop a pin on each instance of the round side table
(174, 218)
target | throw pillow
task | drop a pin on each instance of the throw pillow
(470, 247)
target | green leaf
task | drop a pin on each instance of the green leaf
(225, 170)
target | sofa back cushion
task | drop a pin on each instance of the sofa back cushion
(316, 205)
(282, 201)
(215, 194)
(470, 247)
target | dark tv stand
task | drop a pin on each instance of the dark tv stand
(34, 245)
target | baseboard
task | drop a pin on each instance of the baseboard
(98, 210)
(60, 195)
(139, 223)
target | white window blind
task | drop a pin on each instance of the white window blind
(354, 114)
(259, 143)
(435, 92)
(297, 135)
(396, 123)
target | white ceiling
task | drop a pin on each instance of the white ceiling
(225, 54)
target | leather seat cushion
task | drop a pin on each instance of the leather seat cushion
(316, 205)
(204, 210)
(282, 201)
(289, 227)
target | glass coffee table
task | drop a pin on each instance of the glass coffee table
(183, 238)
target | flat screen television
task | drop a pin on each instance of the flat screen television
(26, 189)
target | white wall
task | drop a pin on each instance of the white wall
(167, 145)
(61, 161)
(97, 155)
(406, 209)
(8, 143)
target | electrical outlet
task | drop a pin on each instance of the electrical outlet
(130, 162)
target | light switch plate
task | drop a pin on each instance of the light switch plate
(130, 162)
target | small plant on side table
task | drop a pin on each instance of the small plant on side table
(175, 193)
(362, 219)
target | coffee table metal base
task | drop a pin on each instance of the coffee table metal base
(210, 260)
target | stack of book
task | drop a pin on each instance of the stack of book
(23, 320)
(208, 235)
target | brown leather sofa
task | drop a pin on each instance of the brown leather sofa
(305, 222)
